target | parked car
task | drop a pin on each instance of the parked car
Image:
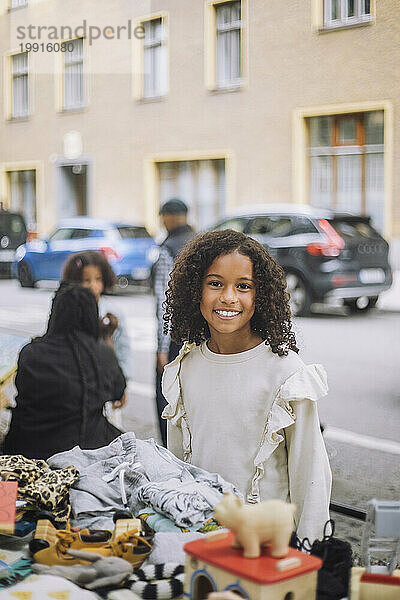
(129, 248)
(326, 255)
(12, 234)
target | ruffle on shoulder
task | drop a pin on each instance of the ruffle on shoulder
(308, 383)
(171, 389)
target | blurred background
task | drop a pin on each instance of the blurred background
(110, 108)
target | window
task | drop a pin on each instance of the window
(274, 226)
(346, 163)
(155, 65)
(80, 234)
(133, 232)
(18, 3)
(341, 13)
(61, 234)
(235, 224)
(73, 88)
(228, 44)
(199, 183)
(22, 194)
(11, 224)
(19, 85)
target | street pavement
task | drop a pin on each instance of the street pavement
(361, 414)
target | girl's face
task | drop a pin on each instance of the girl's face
(93, 279)
(228, 296)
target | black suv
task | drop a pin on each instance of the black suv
(326, 255)
(12, 234)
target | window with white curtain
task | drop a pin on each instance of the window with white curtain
(18, 3)
(20, 89)
(228, 43)
(200, 184)
(22, 186)
(347, 163)
(74, 92)
(155, 58)
(340, 13)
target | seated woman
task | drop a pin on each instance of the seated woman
(63, 380)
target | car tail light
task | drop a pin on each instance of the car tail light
(31, 235)
(344, 279)
(334, 242)
(110, 254)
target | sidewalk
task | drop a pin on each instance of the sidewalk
(390, 300)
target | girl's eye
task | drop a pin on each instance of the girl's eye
(244, 286)
(215, 283)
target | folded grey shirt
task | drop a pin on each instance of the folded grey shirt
(131, 473)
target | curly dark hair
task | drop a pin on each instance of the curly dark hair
(272, 316)
(74, 265)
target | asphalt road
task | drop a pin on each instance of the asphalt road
(361, 414)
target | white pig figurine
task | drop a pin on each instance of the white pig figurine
(269, 522)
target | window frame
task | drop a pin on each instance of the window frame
(11, 116)
(139, 57)
(62, 57)
(210, 47)
(21, 4)
(11, 171)
(221, 29)
(360, 17)
(340, 148)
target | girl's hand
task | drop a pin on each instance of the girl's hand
(119, 403)
(108, 324)
(162, 360)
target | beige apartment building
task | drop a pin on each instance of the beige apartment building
(109, 107)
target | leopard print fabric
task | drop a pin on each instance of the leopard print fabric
(39, 485)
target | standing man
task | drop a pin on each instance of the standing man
(174, 217)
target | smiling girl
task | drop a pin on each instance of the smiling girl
(240, 400)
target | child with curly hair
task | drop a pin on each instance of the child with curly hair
(241, 402)
(91, 269)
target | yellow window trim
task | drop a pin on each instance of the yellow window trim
(151, 183)
(31, 165)
(300, 178)
(210, 46)
(137, 62)
(59, 77)
(7, 82)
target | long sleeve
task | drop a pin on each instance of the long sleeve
(122, 347)
(310, 475)
(162, 270)
(114, 379)
(121, 340)
(175, 440)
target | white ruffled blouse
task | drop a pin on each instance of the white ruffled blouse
(252, 417)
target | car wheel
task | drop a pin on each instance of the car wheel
(300, 296)
(25, 276)
(362, 304)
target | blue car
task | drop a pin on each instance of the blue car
(129, 248)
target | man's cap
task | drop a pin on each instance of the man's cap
(173, 207)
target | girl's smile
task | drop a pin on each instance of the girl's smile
(228, 303)
(227, 314)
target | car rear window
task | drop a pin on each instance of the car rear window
(354, 228)
(12, 224)
(280, 225)
(236, 224)
(133, 232)
(61, 234)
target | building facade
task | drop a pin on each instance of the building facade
(111, 107)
